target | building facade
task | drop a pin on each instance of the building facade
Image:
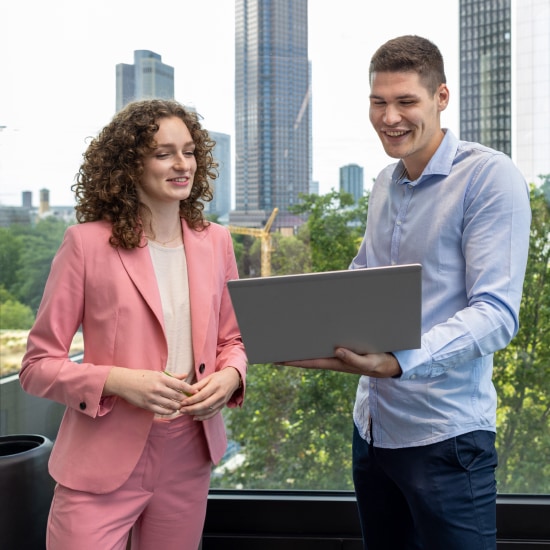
(486, 73)
(147, 78)
(221, 186)
(505, 79)
(272, 109)
(352, 180)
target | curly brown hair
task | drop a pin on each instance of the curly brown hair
(106, 183)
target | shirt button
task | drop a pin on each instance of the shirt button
(201, 368)
(372, 385)
(82, 406)
(413, 376)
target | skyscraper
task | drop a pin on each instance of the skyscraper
(505, 79)
(147, 78)
(352, 180)
(272, 109)
(486, 73)
(221, 203)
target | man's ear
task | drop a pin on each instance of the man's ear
(443, 95)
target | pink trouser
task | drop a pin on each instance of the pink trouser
(163, 502)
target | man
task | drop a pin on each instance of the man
(424, 454)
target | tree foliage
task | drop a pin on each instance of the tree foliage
(522, 370)
(334, 227)
(296, 427)
(13, 314)
(26, 254)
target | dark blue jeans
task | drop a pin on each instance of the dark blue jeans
(434, 497)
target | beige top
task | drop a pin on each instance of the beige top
(170, 266)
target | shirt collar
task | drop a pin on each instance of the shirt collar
(440, 164)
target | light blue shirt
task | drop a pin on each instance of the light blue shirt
(466, 219)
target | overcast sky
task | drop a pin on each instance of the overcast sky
(57, 83)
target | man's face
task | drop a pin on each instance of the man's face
(406, 117)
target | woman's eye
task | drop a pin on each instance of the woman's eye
(189, 153)
(162, 155)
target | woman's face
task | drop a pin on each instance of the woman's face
(169, 170)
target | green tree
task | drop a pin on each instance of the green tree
(295, 430)
(296, 426)
(15, 316)
(522, 370)
(290, 255)
(247, 263)
(334, 227)
(37, 247)
(9, 257)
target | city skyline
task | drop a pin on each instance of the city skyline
(272, 109)
(50, 109)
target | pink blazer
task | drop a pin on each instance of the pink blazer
(113, 294)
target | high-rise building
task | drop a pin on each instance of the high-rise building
(147, 78)
(272, 109)
(505, 79)
(486, 73)
(352, 180)
(221, 203)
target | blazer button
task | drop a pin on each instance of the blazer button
(82, 406)
(201, 368)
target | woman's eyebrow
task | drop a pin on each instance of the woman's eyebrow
(186, 144)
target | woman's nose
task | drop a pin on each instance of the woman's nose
(182, 162)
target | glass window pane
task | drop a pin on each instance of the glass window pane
(283, 87)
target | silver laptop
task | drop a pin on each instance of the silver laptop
(306, 316)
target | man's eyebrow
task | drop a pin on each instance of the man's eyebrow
(399, 97)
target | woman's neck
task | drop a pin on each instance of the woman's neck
(165, 230)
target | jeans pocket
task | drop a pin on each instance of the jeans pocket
(476, 449)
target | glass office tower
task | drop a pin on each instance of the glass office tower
(486, 73)
(272, 109)
(221, 186)
(147, 78)
(352, 180)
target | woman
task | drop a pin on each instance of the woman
(145, 277)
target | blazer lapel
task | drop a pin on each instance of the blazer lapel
(198, 251)
(139, 267)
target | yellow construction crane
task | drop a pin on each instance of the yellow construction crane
(263, 233)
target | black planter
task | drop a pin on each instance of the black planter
(26, 491)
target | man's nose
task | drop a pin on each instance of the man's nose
(392, 115)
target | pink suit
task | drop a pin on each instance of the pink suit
(112, 293)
